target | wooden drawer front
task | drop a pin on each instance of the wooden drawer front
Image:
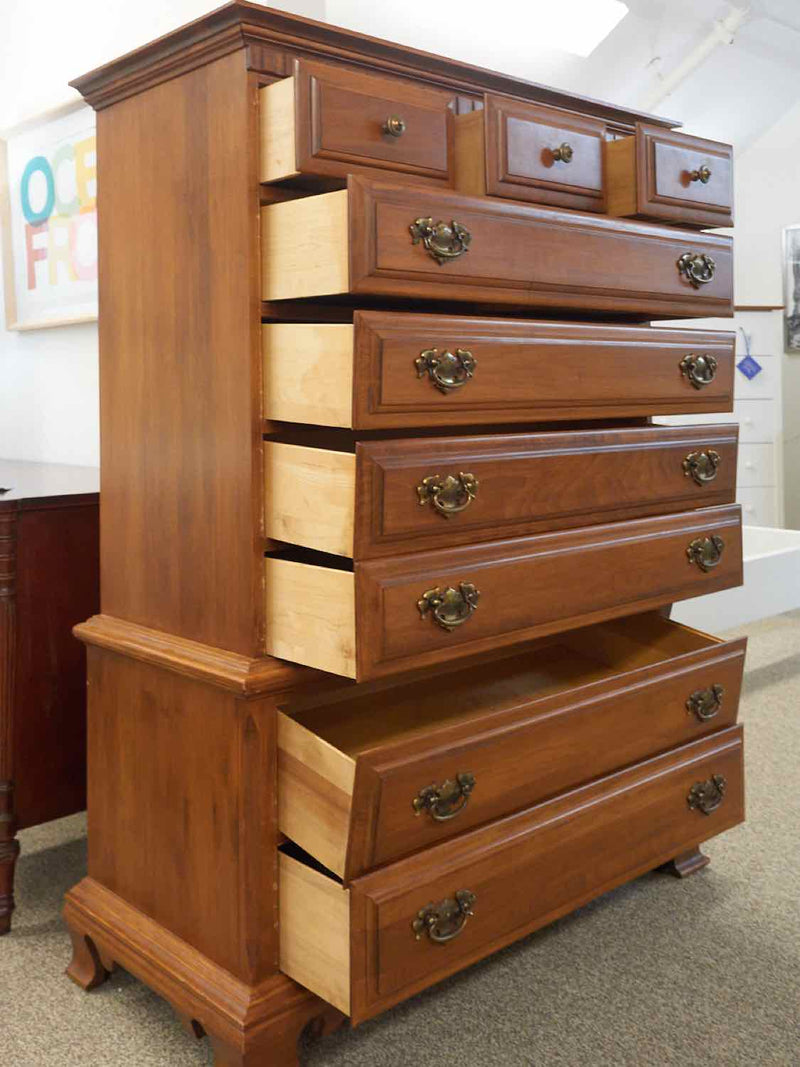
(377, 619)
(521, 147)
(330, 120)
(361, 241)
(378, 372)
(523, 872)
(660, 174)
(474, 745)
(409, 495)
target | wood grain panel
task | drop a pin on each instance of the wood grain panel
(180, 358)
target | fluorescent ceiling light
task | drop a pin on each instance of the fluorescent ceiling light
(576, 26)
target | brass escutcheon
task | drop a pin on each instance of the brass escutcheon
(706, 552)
(441, 241)
(446, 801)
(449, 495)
(449, 607)
(394, 126)
(564, 153)
(707, 796)
(697, 267)
(445, 920)
(699, 369)
(702, 174)
(447, 370)
(702, 467)
(705, 703)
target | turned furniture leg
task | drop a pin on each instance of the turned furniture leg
(86, 969)
(687, 863)
(9, 850)
(276, 1046)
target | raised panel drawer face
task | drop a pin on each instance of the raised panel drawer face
(382, 617)
(529, 152)
(661, 174)
(367, 779)
(393, 369)
(370, 946)
(401, 240)
(397, 496)
(329, 120)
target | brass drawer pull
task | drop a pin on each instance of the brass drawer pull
(450, 607)
(697, 267)
(449, 495)
(447, 370)
(707, 796)
(446, 801)
(706, 552)
(702, 174)
(705, 703)
(564, 153)
(700, 370)
(394, 126)
(445, 920)
(702, 467)
(443, 242)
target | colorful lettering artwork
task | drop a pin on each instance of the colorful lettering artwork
(50, 228)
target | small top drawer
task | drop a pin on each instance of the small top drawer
(528, 152)
(669, 176)
(327, 120)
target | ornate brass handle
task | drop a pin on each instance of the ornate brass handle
(706, 552)
(445, 920)
(446, 801)
(449, 607)
(449, 495)
(447, 370)
(564, 153)
(702, 467)
(441, 241)
(394, 126)
(700, 370)
(705, 703)
(697, 267)
(707, 796)
(702, 174)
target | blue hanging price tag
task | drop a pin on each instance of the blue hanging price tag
(749, 367)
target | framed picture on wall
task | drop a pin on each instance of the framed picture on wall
(791, 288)
(48, 219)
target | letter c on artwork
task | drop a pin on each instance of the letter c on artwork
(41, 164)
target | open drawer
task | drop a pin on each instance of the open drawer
(364, 499)
(380, 617)
(370, 777)
(405, 927)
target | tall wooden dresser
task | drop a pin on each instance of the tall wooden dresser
(384, 677)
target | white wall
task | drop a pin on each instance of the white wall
(48, 378)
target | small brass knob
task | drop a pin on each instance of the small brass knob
(394, 126)
(449, 607)
(446, 801)
(707, 796)
(705, 552)
(449, 495)
(697, 267)
(705, 703)
(699, 369)
(702, 174)
(445, 920)
(702, 467)
(564, 153)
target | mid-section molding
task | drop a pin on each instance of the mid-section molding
(242, 675)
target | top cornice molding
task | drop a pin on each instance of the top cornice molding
(240, 23)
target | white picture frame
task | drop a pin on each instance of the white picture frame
(48, 219)
(791, 290)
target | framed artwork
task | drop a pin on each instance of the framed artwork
(791, 288)
(48, 219)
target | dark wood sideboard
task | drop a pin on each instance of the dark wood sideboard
(382, 679)
(49, 579)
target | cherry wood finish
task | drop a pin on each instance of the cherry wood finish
(48, 582)
(654, 175)
(526, 729)
(526, 371)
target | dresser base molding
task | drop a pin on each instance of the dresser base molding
(687, 863)
(248, 1026)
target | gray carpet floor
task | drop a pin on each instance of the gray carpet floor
(704, 971)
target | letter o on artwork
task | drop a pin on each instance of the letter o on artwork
(35, 217)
